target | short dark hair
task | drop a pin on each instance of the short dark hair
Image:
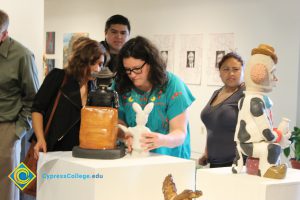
(4, 21)
(141, 48)
(117, 19)
(85, 52)
(231, 55)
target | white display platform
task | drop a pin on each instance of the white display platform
(134, 178)
(221, 184)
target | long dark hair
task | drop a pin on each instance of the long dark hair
(141, 48)
(85, 52)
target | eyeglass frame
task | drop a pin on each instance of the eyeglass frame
(128, 71)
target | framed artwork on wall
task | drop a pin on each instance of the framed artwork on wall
(219, 56)
(68, 41)
(219, 45)
(49, 65)
(166, 46)
(50, 42)
(189, 67)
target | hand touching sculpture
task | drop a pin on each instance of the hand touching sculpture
(140, 128)
(255, 135)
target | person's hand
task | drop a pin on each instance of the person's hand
(128, 141)
(203, 160)
(152, 140)
(41, 145)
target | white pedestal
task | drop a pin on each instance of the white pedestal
(221, 184)
(134, 178)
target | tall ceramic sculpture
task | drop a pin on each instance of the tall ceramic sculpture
(255, 135)
(99, 121)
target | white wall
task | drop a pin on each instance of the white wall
(27, 25)
(253, 22)
(298, 108)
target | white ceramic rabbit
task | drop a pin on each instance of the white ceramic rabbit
(141, 121)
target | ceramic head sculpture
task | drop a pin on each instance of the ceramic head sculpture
(140, 128)
(260, 69)
(255, 135)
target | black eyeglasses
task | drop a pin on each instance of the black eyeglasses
(136, 70)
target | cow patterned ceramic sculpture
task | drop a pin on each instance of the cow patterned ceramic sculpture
(255, 135)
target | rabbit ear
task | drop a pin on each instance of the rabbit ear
(148, 108)
(123, 128)
(136, 107)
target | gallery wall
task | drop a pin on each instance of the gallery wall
(252, 22)
(27, 25)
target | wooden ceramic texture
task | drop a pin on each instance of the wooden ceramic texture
(98, 129)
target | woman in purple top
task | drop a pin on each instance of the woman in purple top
(221, 113)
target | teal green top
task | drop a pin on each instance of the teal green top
(174, 100)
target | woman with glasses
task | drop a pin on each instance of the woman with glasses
(221, 112)
(87, 56)
(142, 78)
